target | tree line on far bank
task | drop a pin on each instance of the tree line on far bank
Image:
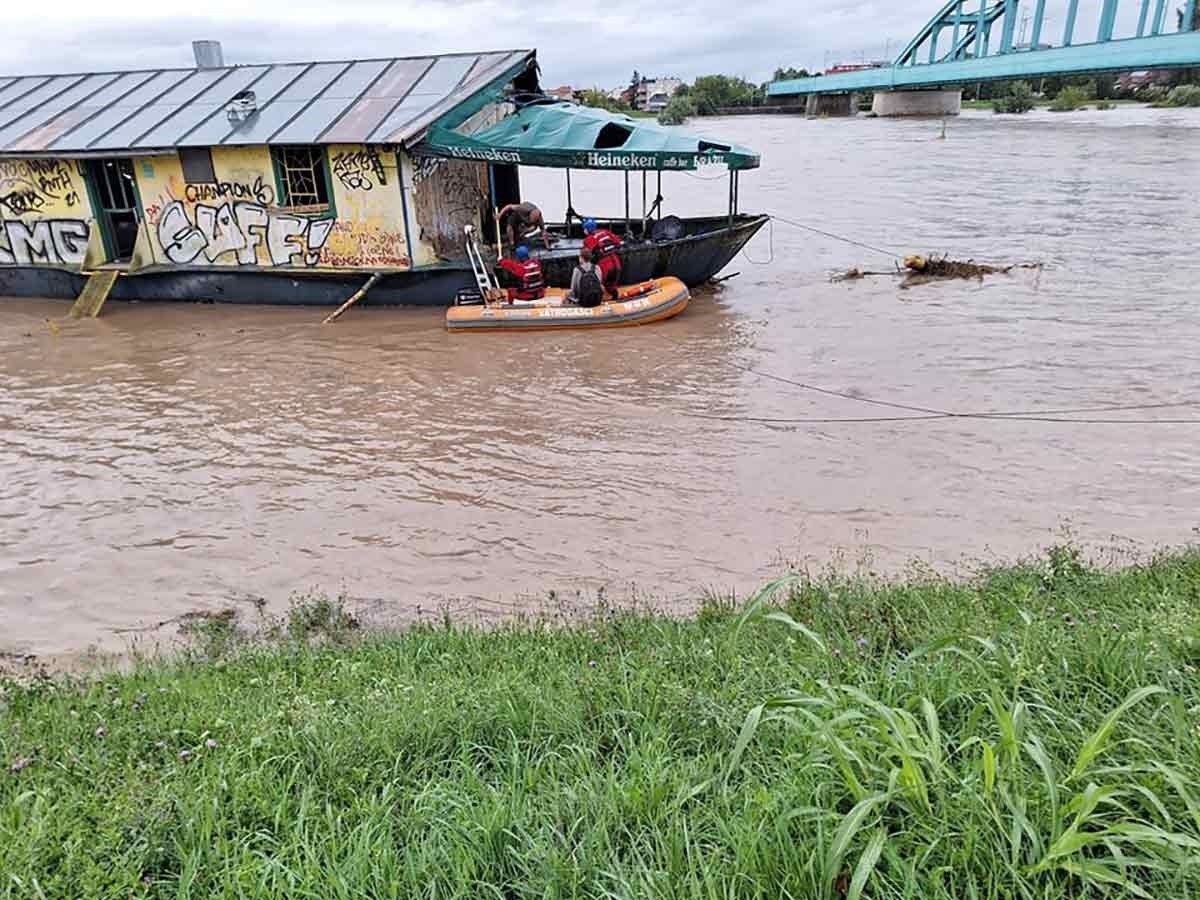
(706, 96)
(1067, 94)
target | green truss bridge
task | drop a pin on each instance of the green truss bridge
(969, 41)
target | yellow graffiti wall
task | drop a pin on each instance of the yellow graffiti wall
(45, 213)
(378, 216)
(236, 220)
(370, 229)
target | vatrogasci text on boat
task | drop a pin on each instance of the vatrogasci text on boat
(301, 183)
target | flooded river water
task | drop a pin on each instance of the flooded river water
(170, 458)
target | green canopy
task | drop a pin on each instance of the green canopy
(565, 135)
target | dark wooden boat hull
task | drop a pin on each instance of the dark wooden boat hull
(693, 259)
(422, 287)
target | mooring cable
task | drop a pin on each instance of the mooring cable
(929, 413)
(873, 420)
(770, 247)
(892, 254)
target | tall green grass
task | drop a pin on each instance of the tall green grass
(1031, 733)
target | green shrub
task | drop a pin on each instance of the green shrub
(677, 111)
(1016, 100)
(1068, 99)
(1105, 104)
(1154, 94)
(1184, 95)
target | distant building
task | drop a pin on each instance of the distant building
(1136, 81)
(656, 103)
(565, 92)
(652, 94)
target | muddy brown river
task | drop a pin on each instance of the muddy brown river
(172, 458)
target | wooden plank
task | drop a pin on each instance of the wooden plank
(355, 297)
(95, 292)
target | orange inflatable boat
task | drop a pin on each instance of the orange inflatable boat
(638, 304)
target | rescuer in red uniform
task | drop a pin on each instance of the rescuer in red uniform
(527, 272)
(604, 246)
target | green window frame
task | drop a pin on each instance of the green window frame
(302, 180)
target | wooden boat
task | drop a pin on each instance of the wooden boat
(354, 180)
(638, 304)
(704, 247)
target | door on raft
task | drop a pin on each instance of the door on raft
(114, 193)
(505, 182)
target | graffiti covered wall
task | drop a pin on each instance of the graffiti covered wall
(236, 220)
(448, 194)
(45, 213)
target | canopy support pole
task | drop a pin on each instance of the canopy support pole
(645, 210)
(626, 202)
(570, 205)
(731, 198)
(494, 207)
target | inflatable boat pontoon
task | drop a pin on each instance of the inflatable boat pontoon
(639, 304)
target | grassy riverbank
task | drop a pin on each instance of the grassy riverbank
(1032, 733)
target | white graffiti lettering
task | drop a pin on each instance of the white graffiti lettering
(240, 229)
(180, 240)
(47, 242)
(252, 223)
(221, 235)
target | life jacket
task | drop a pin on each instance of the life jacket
(532, 285)
(606, 244)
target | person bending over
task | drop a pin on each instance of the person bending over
(521, 218)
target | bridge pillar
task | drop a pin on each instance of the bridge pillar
(831, 105)
(888, 104)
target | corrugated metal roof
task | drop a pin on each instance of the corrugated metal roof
(383, 101)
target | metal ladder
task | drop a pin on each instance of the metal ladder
(483, 274)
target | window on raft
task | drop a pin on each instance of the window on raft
(197, 165)
(302, 175)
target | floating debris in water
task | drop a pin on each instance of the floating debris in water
(857, 273)
(919, 269)
(944, 267)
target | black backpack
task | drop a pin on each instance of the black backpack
(591, 290)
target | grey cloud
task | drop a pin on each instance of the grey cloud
(576, 45)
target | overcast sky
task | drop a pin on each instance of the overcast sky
(576, 45)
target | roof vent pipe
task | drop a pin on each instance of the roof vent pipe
(208, 54)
